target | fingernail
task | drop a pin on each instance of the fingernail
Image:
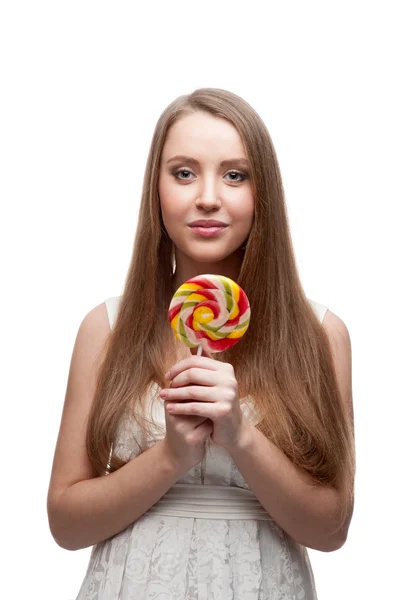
(167, 376)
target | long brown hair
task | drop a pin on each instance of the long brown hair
(284, 362)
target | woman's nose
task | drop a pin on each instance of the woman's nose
(209, 196)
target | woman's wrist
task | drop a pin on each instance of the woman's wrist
(243, 438)
(173, 463)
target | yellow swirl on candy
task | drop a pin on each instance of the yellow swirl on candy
(211, 311)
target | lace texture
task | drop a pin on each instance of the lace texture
(179, 558)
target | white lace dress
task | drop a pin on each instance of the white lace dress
(207, 538)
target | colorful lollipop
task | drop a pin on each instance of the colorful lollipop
(209, 311)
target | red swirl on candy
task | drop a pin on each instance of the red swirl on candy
(211, 311)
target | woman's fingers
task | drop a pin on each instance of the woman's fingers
(201, 362)
(188, 393)
(210, 410)
(192, 421)
(195, 376)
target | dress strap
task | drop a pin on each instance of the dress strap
(319, 309)
(112, 305)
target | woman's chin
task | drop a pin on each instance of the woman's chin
(207, 254)
(208, 257)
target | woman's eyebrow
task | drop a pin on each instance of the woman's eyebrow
(193, 161)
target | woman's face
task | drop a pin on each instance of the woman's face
(205, 194)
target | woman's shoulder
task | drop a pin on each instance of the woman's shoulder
(319, 309)
(112, 305)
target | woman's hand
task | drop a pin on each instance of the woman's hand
(203, 387)
(185, 438)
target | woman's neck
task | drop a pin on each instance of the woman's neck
(187, 268)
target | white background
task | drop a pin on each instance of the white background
(83, 84)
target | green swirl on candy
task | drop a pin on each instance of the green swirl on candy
(211, 311)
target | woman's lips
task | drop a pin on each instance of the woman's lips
(207, 231)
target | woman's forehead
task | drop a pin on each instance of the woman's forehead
(203, 134)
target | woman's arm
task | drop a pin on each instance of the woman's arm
(306, 512)
(93, 510)
(84, 509)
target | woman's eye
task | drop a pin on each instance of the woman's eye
(182, 174)
(233, 176)
(237, 176)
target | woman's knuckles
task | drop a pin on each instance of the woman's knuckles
(228, 394)
(222, 410)
(191, 439)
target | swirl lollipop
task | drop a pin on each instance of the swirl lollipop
(210, 312)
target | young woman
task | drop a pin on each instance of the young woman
(220, 470)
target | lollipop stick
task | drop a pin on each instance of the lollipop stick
(199, 350)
